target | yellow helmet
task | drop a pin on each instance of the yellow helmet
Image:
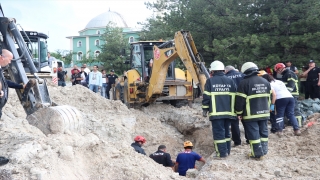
(262, 72)
(187, 143)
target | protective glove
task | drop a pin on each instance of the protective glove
(204, 113)
(272, 107)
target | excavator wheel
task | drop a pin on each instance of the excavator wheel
(57, 119)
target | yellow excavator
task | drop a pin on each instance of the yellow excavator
(29, 67)
(162, 82)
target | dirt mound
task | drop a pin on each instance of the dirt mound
(102, 149)
(102, 152)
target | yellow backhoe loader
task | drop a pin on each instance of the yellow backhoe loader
(162, 82)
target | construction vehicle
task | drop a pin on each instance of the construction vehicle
(25, 69)
(164, 83)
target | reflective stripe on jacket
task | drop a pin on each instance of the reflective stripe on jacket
(290, 79)
(219, 97)
(253, 98)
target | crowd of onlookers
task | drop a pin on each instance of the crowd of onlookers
(93, 79)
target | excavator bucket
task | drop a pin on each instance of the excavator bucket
(57, 119)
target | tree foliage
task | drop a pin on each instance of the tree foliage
(237, 31)
(64, 56)
(111, 56)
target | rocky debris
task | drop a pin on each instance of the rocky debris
(309, 107)
(101, 150)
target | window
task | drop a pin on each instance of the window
(97, 42)
(131, 39)
(79, 44)
(98, 31)
(96, 53)
(79, 56)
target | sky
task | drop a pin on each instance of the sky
(61, 18)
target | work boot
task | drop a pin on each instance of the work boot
(3, 160)
(297, 132)
(255, 158)
(279, 133)
(219, 158)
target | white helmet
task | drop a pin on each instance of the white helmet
(216, 66)
(249, 66)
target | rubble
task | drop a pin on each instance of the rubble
(101, 149)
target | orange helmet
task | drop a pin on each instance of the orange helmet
(279, 66)
(140, 139)
(187, 144)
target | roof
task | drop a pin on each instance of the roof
(103, 20)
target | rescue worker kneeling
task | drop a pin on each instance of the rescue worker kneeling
(253, 106)
(218, 99)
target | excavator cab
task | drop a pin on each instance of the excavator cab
(142, 54)
(37, 44)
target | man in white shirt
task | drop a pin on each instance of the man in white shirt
(95, 79)
(50, 59)
(87, 70)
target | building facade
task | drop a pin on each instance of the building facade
(88, 41)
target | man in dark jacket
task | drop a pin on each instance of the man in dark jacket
(5, 59)
(218, 100)
(253, 106)
(162, 157)
(236, 77)
(138, 142)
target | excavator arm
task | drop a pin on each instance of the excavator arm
(41, 111)
(185, 49)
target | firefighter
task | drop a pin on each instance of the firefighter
(236, 77)
(253, 106)
(218, 100)
(290, 79)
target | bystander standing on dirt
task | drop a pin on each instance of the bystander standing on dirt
(111, 80)
(76, 77)
(104, 84)
(313, 81)
(95, 79)
(61, 77)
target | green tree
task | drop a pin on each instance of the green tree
(236, 31)
(111, 56)
(63, 55)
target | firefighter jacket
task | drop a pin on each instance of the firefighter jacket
(290, 79)
(253, 98)
(235, 76)
(219, 97)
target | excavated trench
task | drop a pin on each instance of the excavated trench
(101, 149)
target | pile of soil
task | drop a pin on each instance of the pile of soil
(102, 150)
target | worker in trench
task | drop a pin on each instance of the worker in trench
(162, 157)
(187, 159)
(218, 100)
(253, 106)
(139, 141)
